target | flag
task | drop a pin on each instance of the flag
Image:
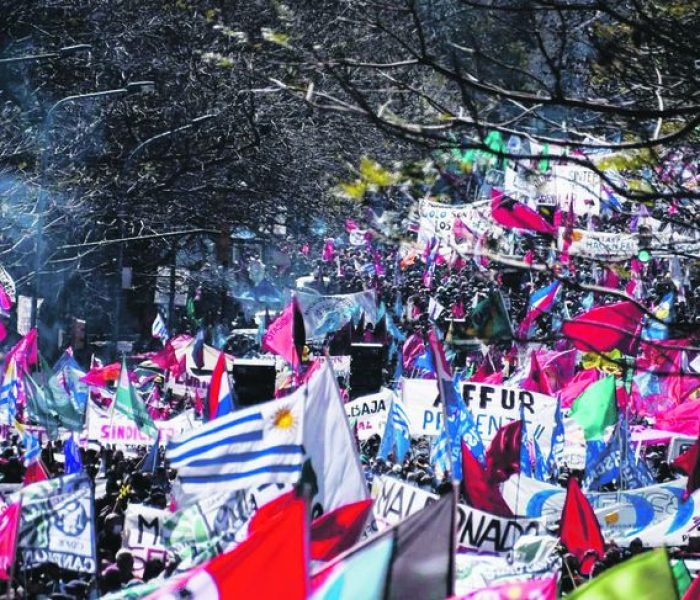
(605, 328)
(490, 319)
(10, 388)
(127, 403)
(73, 463)
(535, 589)
(580, 383)
(150, 462)
(515, 215)
(198, 349)
(541, 302)
(35, 472)
(9, 525)
(479, 491)
(66, 394)
(536, 380)
(656, 328)
(240, 450)
(282, 336)
(25, 352)
(159, 329)
(424, 538)
(220, 398)
(361, 574)
(682, 577)
(596, 408)
(58, 520)
(686, 461)
(5, 300)
(693, 482)
(646, 576)
(578, 529)
(272, 563)
(338, 530)
(396, 432)
(100, 376)
(330, 443)
(556, 453)
(503, 455)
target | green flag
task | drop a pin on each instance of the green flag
(39, 408)
(682, 577)
(490, 319)
(60, 391)
(127, 403)
(647, 576)
(596, 408)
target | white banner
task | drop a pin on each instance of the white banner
(326, 314)
(418, 397)
(569, 181)
(143, 534)
(494, 406)
(58, 524)
(437, 220)
(120, 430)
(369, 413)
(395, 500)
(598, 244)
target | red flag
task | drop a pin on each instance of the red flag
(102, 376)
(536, 380)
(694, 474)
(25, 352)
(559, 368)
(9, 524)
(413, 347)
(166, 358)
(3, 331)
(503, 455)
(605, 328)
(479, 493)
(693, 592)
(271, 563)
(515, 215)
(34, 473)
(338, 530)
(579, 530)
(686, 461)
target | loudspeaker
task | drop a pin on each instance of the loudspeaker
(366, 369)
(254, 381)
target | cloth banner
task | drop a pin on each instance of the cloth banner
(122, 431)
(395, 500)
(437, 221)
(326, 314)
(627, 511)
(58, 524)
(599, 244)
(368, 414)
(143, 534)
(568, 182)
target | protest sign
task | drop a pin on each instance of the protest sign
(494, 406)
(326, 314)
(122, 431)
(569, 182)
(419, 398)
(395, 500)
(599, 244)
(143, 534)
(629, 510)
(58, 524)
(437, 221)
(369, 413)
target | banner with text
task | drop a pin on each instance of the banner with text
(143, 534)
(368, 413)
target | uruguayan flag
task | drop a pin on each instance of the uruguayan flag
(159, 329)
(244, 449)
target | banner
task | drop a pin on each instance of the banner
(437, 221)
(58, 524)
(494, 406)
(627, 511)
(326, 314)
(143, 534)
(368, 414)
(569, 181)
(395, 500)
(419, 398)
(122, 431)
(598, 244)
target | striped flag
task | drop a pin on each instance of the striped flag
(244, 449)
(9, 390)
(159, 329)
(396, 432)
(541, 302)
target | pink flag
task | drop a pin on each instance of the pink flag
(516, 215)
(461, 231)
(279, 337)
(536, 380)
(684, 419)
(5, 300)
(102, 376)
(25, 352)
(542, 589)
(503, 455)
(413, 347)
(559, 368)
(328, 250)
(9, 524)
(605, 328)
(3, 331)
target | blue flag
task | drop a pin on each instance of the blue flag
(657, 328)
(71, 452)
(151, 461)
(396, 433)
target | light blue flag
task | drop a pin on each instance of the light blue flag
(398, 306)
(657, 328)
(71, 453)
(396, 433)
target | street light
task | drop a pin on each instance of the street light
(120, 255)
(64, 52)
(144, 87)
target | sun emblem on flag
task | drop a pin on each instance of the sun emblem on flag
(284, 419)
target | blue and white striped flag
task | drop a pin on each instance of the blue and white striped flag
(159, 329)
(438, 453)
(396, 432)
(32, 448)
(244, 449)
